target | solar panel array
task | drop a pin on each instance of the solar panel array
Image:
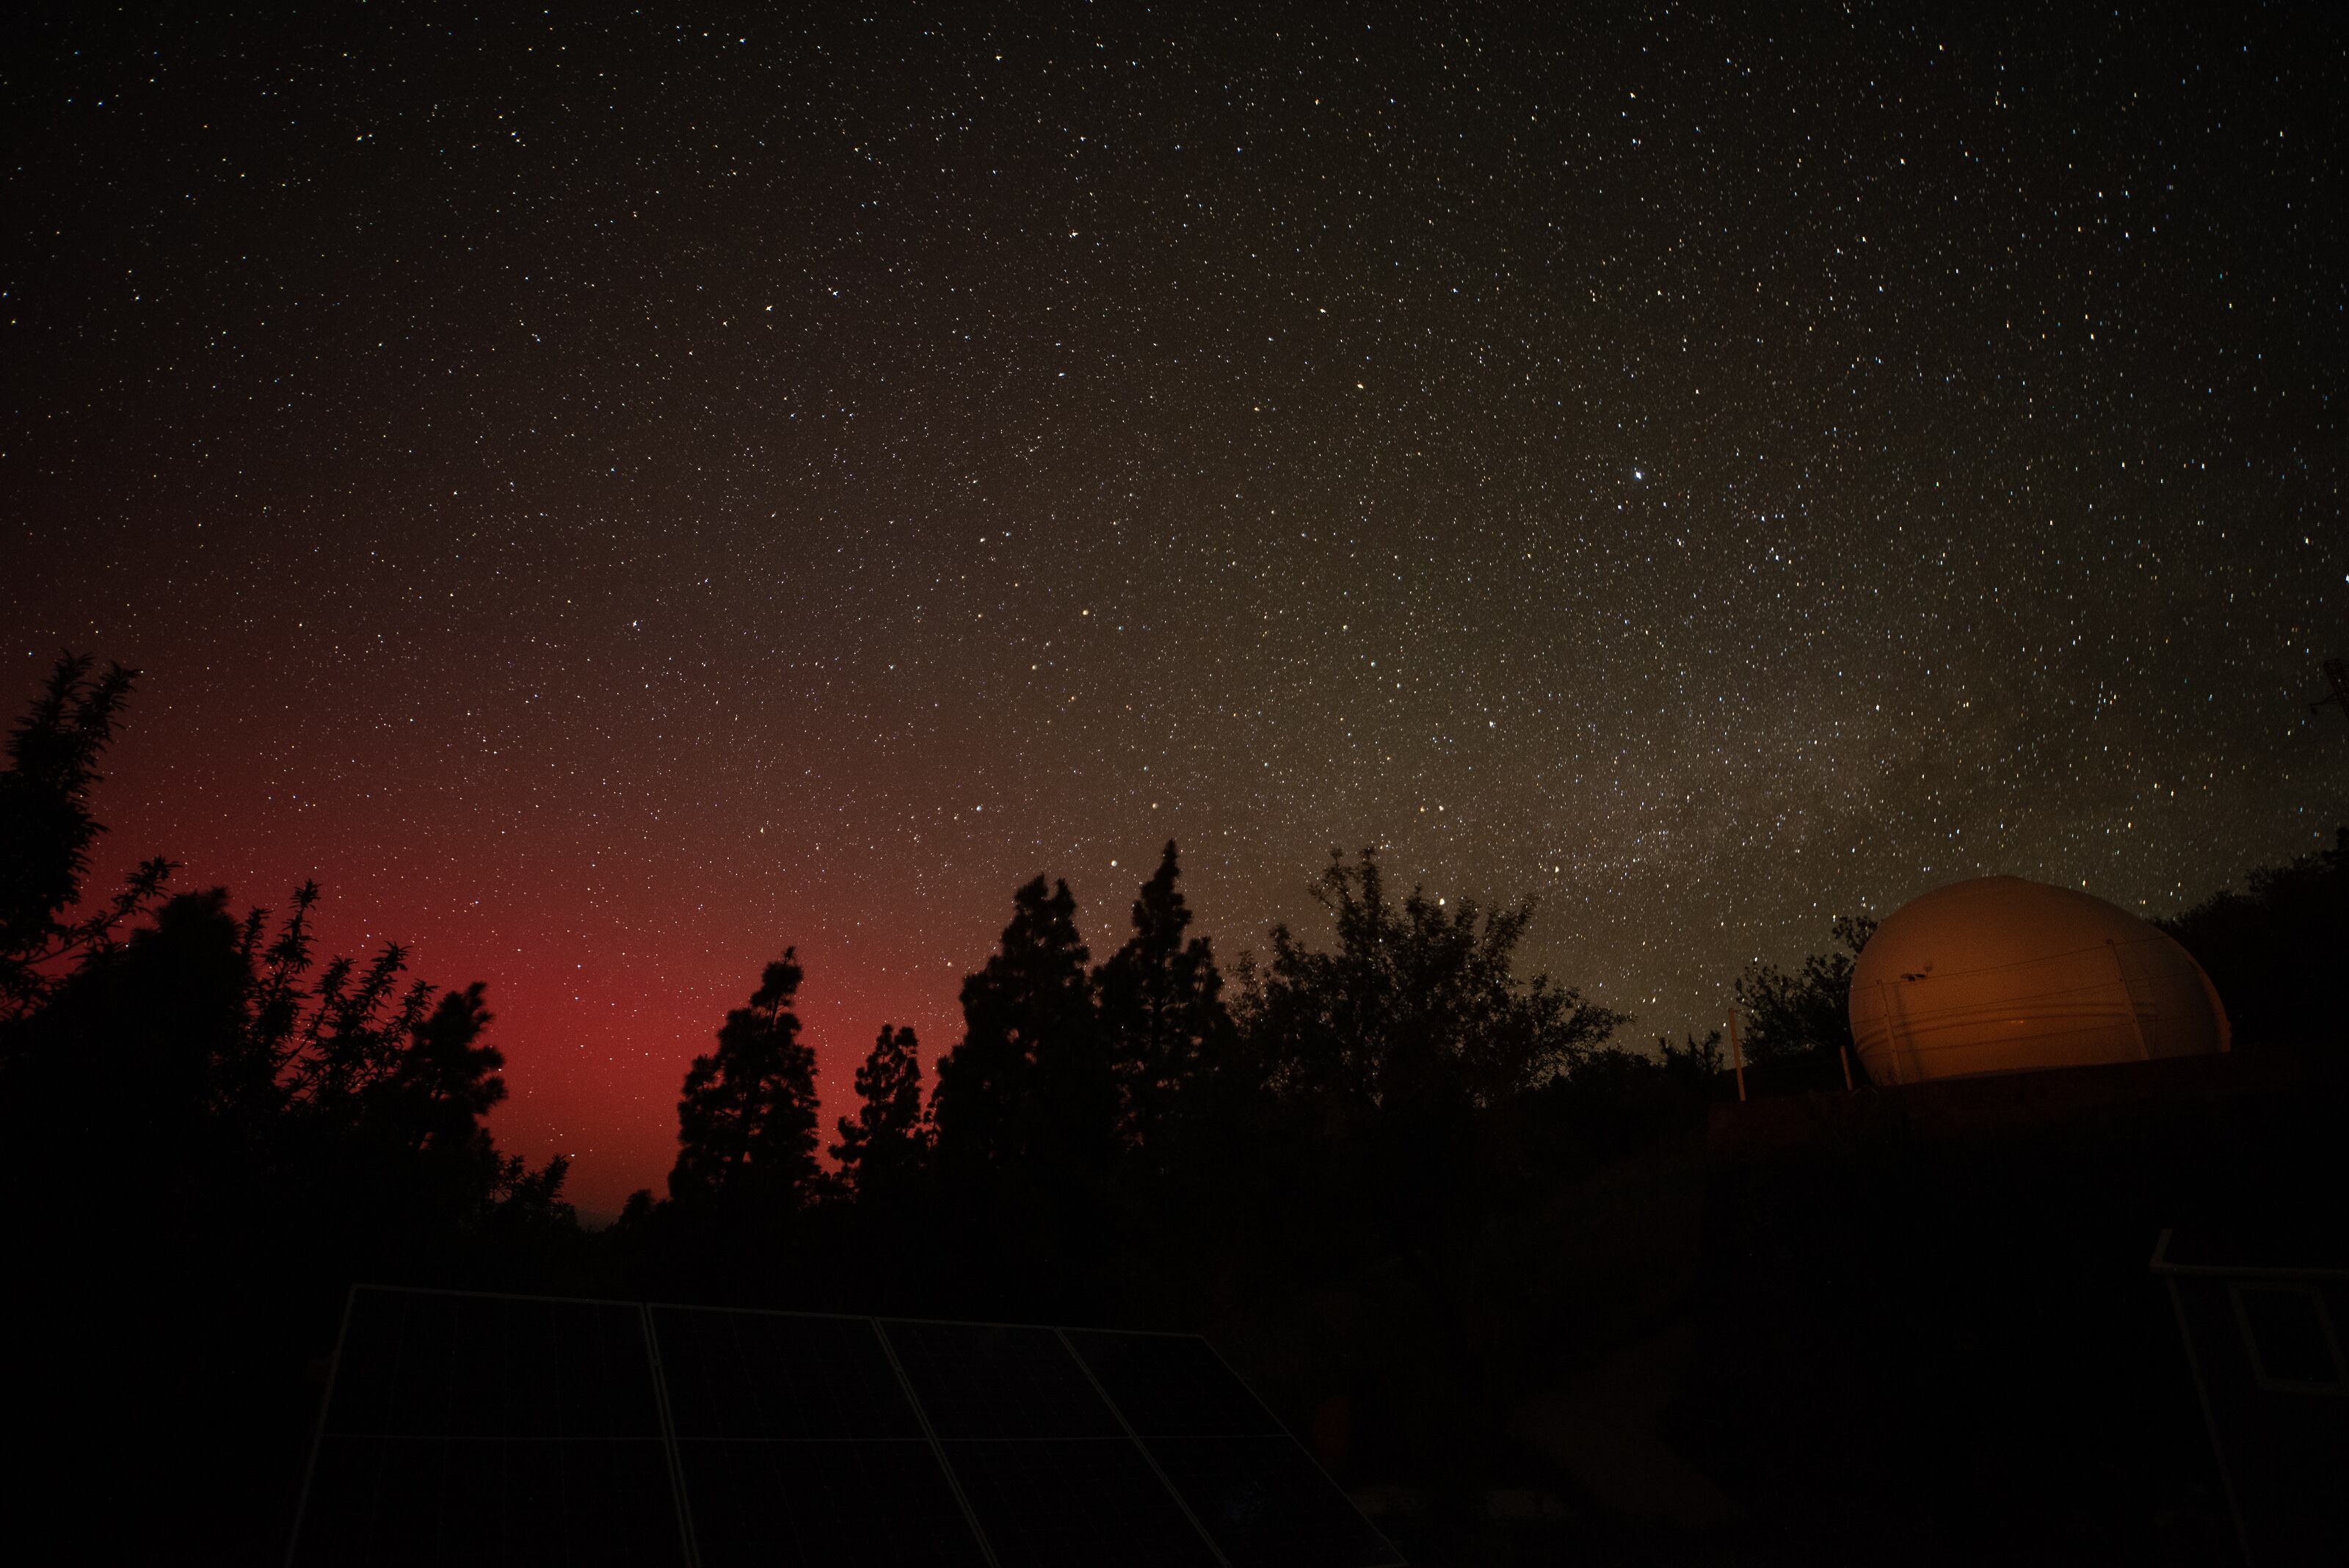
(491, 1430)
(497, 1430)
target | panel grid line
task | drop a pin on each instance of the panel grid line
(673, 1407)
(669, 1442)
(318, 1436)
(1395, 1558)
(455, 1438)
(937, 1449)
(1135, 1439)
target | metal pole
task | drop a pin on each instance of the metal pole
(2128, 1000)
(1892, 1036)
(1736, 1056)
(2161, 1265)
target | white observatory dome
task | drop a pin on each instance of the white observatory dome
(2000, 975)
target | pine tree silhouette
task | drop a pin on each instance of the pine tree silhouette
(47, 831)
(747, 1125)
(881, 1151)
(1162, 1006)
(1030, 1045)
(1025, 1114)
(447, 1081)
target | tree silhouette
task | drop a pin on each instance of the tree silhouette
(47, 831)
(747, 1125)
(224, 1066)
(1805, 1017)
(881, 1151)
(2274, 950)
(1162, 1006)
(1030, 1069)
(1399, 1067)
(336, 1046)
(447, 1081)
(186, 1095)
(1026, 1118)
(1419, 999)
(140, 1049)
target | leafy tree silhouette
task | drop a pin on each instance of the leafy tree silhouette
(1798, 1025)
(47, 831)
(186, 1095)
(2274, 950)
(1419, 1000)
(227, 1069)
(880, 1151)
(747, 1125)
(1161, 1007)
(1395, 1063)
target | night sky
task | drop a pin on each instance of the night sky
(612, 498)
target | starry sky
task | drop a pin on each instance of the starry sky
(610, 495)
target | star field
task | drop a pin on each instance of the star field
(612, 497)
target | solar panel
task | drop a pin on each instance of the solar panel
(998, 1381)
(1255, 1490)
(779, 1376)
(471, 1428)
(1172, 1385)
(797, 1444)
(1049, 1468)
(1265, 1502)
(509, 1430)
(1065, 1503)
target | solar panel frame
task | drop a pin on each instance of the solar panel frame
(1268, 1504)
(885, 1503)
(1155, 1468)
(1077, 1502)
(1394, 1557)
(1000, 1438)
(668, 1444)
(708, 1446)
(397, 1502)
(1145, 1408)
(953, 1391)
(970, 1439)
(319, 1431)
(328, 1443)
(449, 1376)
(1263, 1436)
(970, 1515)
(825, 1405)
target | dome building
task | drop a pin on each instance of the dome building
(2000, 975)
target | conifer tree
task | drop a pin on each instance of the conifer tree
(1029, 1070)
(47, 831)
(1162, 1006)
(747, 1124)
(881, 1147)
(447, 1081)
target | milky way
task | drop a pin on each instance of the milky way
(612, 498)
